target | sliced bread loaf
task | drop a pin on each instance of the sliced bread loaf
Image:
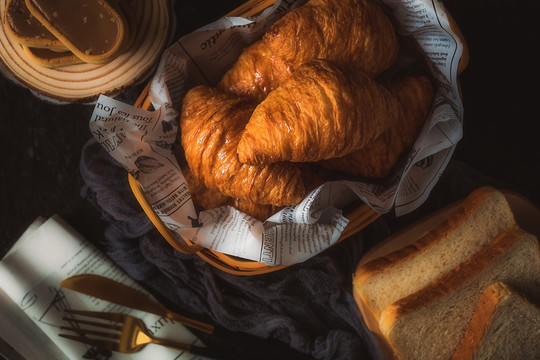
(430, 323)
(388, 278)
(505, 325)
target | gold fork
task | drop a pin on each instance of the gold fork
(122, 333)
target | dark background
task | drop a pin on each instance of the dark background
(41, 143)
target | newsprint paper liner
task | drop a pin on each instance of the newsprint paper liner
(141, 140)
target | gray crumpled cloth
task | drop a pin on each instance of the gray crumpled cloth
(308, 306)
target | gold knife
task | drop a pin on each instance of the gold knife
(243, 345)
(113, 291)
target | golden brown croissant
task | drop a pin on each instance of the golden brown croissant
(211, 198)
(201, 195)
(375, 160)
(256, 72)
(352, 33)
(211, 125)
(262, 212)
(257, 211)
(320, 112)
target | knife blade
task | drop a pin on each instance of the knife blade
(116, 292)
(113, 291)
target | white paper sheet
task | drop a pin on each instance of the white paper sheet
(30, 275)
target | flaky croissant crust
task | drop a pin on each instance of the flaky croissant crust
(211, 124)
(213, 198)
(322, 111)
(304, 93)
(376, 159)
(255, 73)
(352, 33)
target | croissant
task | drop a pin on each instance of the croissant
(211, 198)
(352, 33)
(375, 160)
(319, 112)
(262, 212)
(201, 195)
(211, 124)
(255, 73)
(257, 211)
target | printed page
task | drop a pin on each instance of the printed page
(298, 232)
(22, 335)
(50, 251)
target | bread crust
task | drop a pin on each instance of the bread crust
(369, 274)
(66, 21)
(487, 304)
(51, 59)
(28, 31)
(458, 216)
(499, 302)
(450, 282)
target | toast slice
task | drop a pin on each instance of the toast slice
(28, 31)
(430, 323)
(388, 278)
(505, 325)
(51, 59)
(95, 31)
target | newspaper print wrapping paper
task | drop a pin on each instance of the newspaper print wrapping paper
(140, 140)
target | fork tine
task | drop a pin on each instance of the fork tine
(81, 331)
(116, 326)
(106, 344)
(97, 314)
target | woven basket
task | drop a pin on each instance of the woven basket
(359, 217)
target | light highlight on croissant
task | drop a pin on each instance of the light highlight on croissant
(211, 124)
(322, 111)
(352, 33)
(307, 95)
(256, 73)
(375, 160)
(212, 198)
